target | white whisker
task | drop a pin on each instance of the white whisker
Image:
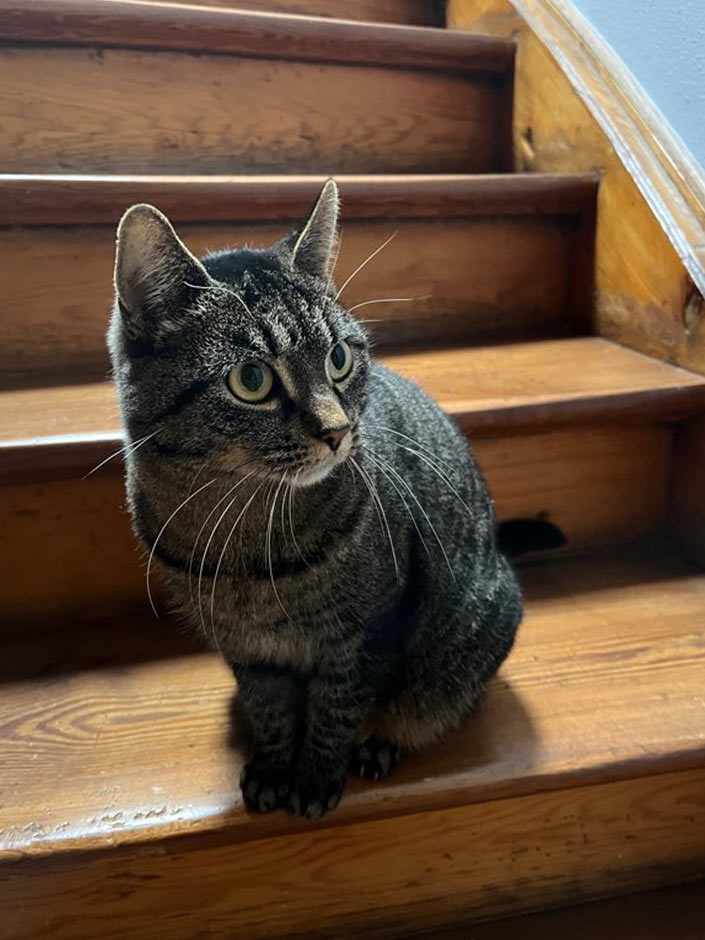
(385, 469)
(208, 545)
(366, 261)
(385, 300)
(130, 447)
(240, 516)
(380, 510)
(269, 550)
(424, 513)
(161, 532)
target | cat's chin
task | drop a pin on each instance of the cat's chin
(317, 473)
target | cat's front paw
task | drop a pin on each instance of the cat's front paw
(312, 797)
(265, 786)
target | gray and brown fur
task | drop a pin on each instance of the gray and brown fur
(362, 613)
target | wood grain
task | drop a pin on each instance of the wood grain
(575, 110)
(73, 110)
(72, 557)
(562, 787)
(487, 389)
(55, 199)
(671, 913)
(474, 279)
(145, 25)
(378, 878)
(409, 12)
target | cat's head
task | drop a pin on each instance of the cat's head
(242, 359)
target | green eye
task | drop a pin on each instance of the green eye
(339, 361)
(251, 381)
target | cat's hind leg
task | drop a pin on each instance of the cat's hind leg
(374, 758)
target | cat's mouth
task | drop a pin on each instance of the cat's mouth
(318, 468)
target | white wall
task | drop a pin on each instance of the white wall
(662, 42)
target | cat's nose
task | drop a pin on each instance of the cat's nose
(334, 436)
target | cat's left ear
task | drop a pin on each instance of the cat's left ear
(314, 249)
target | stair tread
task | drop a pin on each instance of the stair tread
(136, 718)
(68, 199)
(488, 389)
(124, 23)
(671, 913)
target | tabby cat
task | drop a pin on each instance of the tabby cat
(314, 514)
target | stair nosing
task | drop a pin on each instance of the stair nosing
(230, 31)
(64, 200)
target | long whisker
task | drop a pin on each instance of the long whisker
(386, 300)
(131, 446)
(381, 513)
(412, 440)
(385, 469)
(431, 526)
(161, 532)
(205, 523)
(240, 516)
(366, 261)
(208, 545)
(291, 519)
(440, 474)
(269, 550)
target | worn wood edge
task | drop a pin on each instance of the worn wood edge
(659, 164)
(65, 456)
(367, 805)
(224, 31)
(71, 200)
(442, 883)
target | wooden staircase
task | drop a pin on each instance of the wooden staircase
(583, 774)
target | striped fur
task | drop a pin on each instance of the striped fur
(358, 594)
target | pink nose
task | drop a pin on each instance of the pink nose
(334, 436)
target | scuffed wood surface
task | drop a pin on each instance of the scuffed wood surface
(563, 786)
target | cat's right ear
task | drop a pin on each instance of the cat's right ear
(155, 273)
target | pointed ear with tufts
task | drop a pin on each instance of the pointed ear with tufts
(315, 247)
(156, 276)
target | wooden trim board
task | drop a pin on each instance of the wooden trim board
(576, 109)
(50, 200)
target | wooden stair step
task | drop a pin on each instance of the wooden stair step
(484, 256)
(582, 775)
(486, 389)
(575, 431)
(409, 12)
(671, 913)
(148, 87)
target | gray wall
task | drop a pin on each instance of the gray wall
(662, 42)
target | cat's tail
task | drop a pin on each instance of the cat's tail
(517, 537)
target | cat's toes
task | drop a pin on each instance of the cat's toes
(374, 758)
(312, 798)
(265, 786)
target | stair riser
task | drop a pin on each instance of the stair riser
(600, 486)
(409, 12)
(496, 277)
(89, 110)
(386, 878)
